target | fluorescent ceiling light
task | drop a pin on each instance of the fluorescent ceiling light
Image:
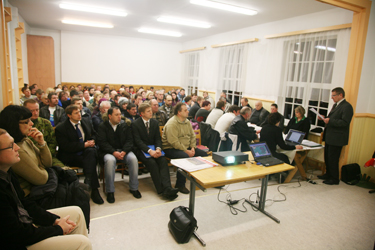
(223, 6)
(175, 20)
(324, 48)
(92, 9)
(86, 23)
(160, 32)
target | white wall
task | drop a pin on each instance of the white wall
(94, 58)
(56, 36)
(366, 94)
(316, 20)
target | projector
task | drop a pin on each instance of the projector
(227, 158)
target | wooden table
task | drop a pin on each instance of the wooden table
(219, 176)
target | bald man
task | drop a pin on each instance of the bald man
(259, 114)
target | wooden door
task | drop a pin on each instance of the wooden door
(41, 61)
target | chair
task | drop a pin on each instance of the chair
(319, 162)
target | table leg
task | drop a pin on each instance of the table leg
(298, 159)
(262, 200)
(290, 175)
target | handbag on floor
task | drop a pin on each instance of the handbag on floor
(182, 224)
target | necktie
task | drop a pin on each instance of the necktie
(148, 128)
(334, 106)
(80, 137)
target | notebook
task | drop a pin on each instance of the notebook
(294, 137)
(262, 154)
(152, 147)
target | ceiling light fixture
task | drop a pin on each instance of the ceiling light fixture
(174, 20)
(92, 9)
(86, 23)
(223, 6)
(160, 32)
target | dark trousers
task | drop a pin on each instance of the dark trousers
(331, 158)
(159, 171)
(87, 161)
(177, 154)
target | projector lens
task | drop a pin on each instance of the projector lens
(229, 159)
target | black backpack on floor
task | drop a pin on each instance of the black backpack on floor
(351, 173)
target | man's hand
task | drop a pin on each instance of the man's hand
(326, 120)
(90, 144)
(66, 225)
(37, 136)
(299, 147)
(190, 153)
(158, 151)
(319, 118)
(118, 155)
(154, 154)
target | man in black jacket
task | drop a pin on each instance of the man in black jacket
(197, 105)
(259, 114)
(336, 135)
(76, 140)
(115, 142)
(54, 113)
(146, 132)
(239, 127)
(18, 215)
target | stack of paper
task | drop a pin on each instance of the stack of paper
(193, 164)
(310, 144)
(256, 128)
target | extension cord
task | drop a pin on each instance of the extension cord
(234, 202)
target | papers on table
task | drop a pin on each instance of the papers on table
(193, 164)
(316, 112)
(257, 128)
(310, 144)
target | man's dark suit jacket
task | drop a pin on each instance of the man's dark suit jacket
(193, 110)
(58, 116)
(258, 120)
(106, 138)
(13, 233)
(336, 132)
(239, 127)
(67, 138)
(142, 139)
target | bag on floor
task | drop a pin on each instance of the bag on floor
(182, 224)
(351, 173)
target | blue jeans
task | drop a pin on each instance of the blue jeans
(110, 167)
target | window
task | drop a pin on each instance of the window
(232, 71)
(192, 72)
(308, 75)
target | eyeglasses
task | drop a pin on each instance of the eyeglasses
(8, 147)
(333, 95)
(26, 122)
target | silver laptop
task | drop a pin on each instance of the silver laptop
(262, 154)
(294, 137)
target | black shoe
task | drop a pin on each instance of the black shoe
(170, 191)
(183, 189)
(136, 194)
(111, 197)
(331, 182)
(324, 177)
(95, 196)
(139, 171)
(145, 171)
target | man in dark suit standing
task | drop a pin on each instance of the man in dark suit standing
(336, 135)
(76, 140)
(146, 132)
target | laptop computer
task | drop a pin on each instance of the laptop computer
(294, 137)
(262, 154)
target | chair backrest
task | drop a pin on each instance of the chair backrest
(198, 136)
(161, 130)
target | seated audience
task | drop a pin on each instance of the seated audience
(274, 109)
(174, 99)
(39, 93)
(76, 140)
(20, 215)
(188, 101)
(157, 114)
(150, 96)
(44, 126)
(116, 101)
(85, 112)
(115, 142)
(179, 141)
(203, 112)
(137, 100)
(227, 104)
(27, 95)
(54, 113)
(223, 124)
(86, 98)
(113, 93)
(146, 132)
(45, 101)
(181, 96)
(272, 135)
(207, 97)
(123, 103)
(131, 112)
(259, 114)
(245, 103)
(34, 168)
(95, 100)
(197, 105)
(239, 127)
(215, 114)
(33, 88)
(299, 122)
(167, 106)
(159, 97)
(97, 119)
(62, 98)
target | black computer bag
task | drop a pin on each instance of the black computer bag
(182, 224)
(351, 173)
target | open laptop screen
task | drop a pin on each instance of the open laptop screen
(295, 136)
(259, 149)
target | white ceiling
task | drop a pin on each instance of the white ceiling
(46, 14)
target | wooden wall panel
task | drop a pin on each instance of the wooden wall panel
(41, 61)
